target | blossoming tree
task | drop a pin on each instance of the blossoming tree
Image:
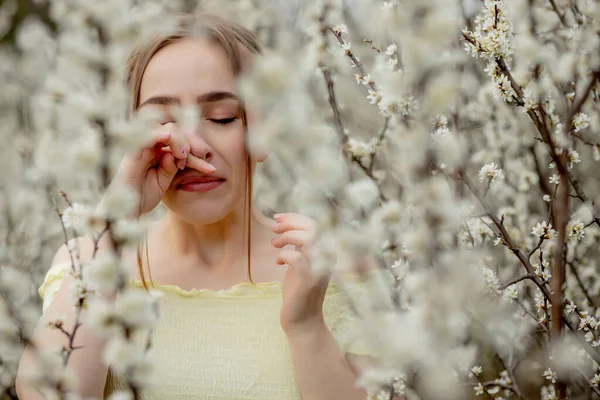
(454, 142)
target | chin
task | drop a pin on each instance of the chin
(201, 211)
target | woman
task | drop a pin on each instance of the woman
(226, 331)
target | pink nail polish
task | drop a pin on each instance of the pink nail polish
(278, 217)
(183, 153)
(276, 225)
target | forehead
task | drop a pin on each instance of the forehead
(186, 69)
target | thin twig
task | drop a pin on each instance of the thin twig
(519, 279)
(370, 42)
(580, 283)
(524, 261)
(578, 103)
(560, 16)
(334, 107)
(357, 63)
(64, 230)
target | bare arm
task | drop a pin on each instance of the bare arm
(321, 370)
(85, 362)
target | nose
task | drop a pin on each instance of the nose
(199, 146)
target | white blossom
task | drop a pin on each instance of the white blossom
(340, 29)
(573, 158)
(511, 292)
(548, 393)
(491, 172)
(373, 96)
(550, 375)
(105, 272)
(575, 231)
(136, 309)
(101, 318)
(121, 354)
(346, 46)
(82, 218)
(491, 279)
(492, 33)
(476, 371)
(479, 390)
(596, 152)
(120, 395)
(580, 121)
(543, 229)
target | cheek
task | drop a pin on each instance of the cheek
(232, 149)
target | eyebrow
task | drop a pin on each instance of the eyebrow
(209, 97)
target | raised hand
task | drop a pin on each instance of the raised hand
(303, 293)
(152, 168)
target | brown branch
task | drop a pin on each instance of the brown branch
(595, 220)
(370, 42)
(561, 218)
(544, 131)
(505, 235)
(379, 140)
(358, 64)
(527, 312)
(584, 140)
(519, 279)
(542, 181)
(524, 261)
(510, 371)
(578, 103)
(64, 230)
(334, 107)
(560, 16)
(580, 283)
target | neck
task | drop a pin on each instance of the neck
(218, 246)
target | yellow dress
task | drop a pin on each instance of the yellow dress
(225, 344)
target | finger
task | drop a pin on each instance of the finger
(291, 257)
(296, 238)
(158, 136)
(289, 221)
(200, 164)
(147, 153)
(180, 147)
(166, 170)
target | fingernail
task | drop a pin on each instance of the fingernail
(211, 168)
(275, 225)
(278, 217)
(183, 153)
(182, 166)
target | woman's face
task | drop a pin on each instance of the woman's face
(197, 72)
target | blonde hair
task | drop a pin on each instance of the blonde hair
(235, 40)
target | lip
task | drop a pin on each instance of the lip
(200, 186)
(199, 183)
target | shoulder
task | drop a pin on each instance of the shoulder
(82, 247)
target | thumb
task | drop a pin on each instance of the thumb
(166, 170)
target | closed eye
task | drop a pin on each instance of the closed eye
(223, 121)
